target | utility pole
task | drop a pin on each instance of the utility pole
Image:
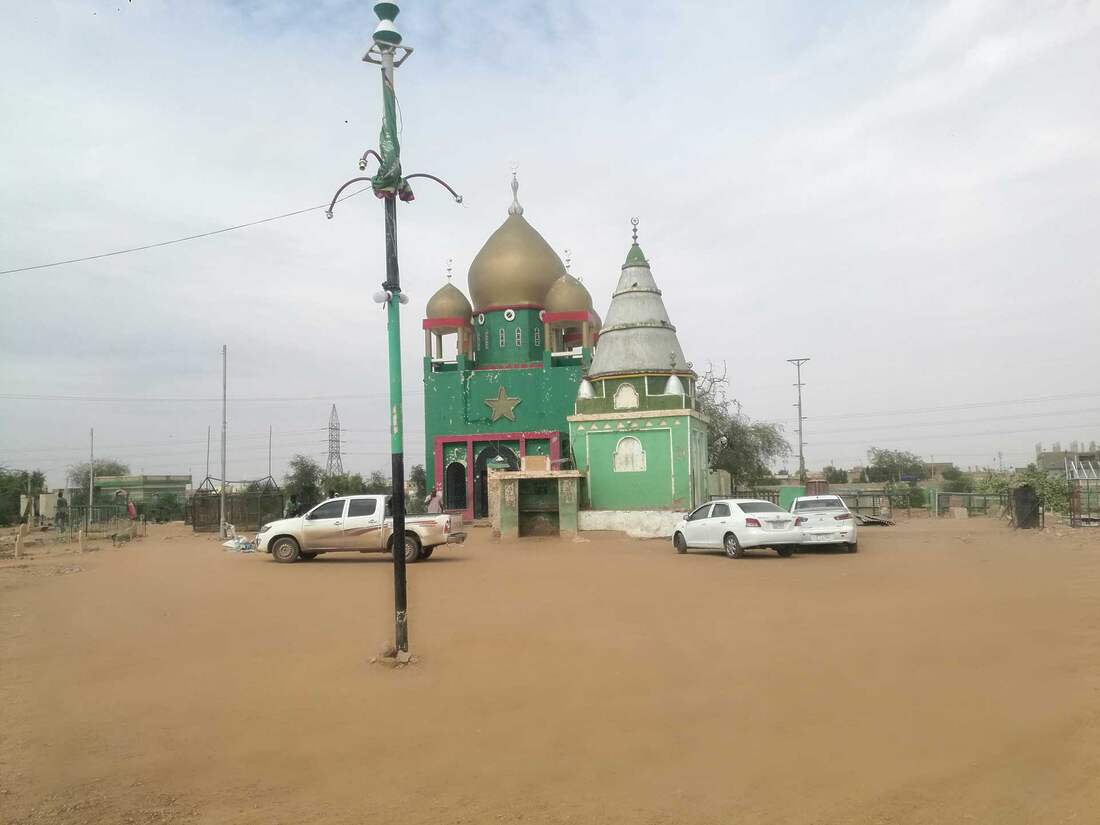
(798, 362)
(269, 451)
(91, 476)
(225, 427)
(208, 451)
(389, 184)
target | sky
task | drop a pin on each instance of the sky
(905, 193)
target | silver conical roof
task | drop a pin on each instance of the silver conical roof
(637, 335)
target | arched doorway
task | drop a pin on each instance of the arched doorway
(454, 486)
(481, 475)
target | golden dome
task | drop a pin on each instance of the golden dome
(448, 302)
(516, 267)
(568, 295)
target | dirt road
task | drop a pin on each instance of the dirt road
(948, 673)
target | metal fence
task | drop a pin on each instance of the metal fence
(989, 504)
(106, 520)
(245, 511)
(1084, 492)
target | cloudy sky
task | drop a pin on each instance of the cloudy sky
(906, 193)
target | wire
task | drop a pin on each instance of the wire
(116, 399)
(180, 240)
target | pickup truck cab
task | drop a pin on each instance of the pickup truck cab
(354, 524)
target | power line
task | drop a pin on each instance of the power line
(119, 399)
(179, 240)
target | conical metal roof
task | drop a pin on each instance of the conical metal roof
(637, 335)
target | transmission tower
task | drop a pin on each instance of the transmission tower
(335, 466)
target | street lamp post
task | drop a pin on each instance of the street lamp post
(389, 185)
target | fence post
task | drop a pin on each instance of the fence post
(80, 538)
(19, 543)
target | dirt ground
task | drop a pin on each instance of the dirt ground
(948, 673)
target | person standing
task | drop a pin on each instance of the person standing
(131, 511)
(61, 512)
(434, 501)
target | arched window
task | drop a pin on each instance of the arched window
(519, 336)
(629, 457)
(626, 397)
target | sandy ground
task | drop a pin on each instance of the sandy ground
(948, 673)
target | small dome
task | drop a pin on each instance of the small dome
(448, 302)
(586, 390)
(597, 322)
(568, 295)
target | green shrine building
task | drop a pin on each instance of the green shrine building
(527, 369)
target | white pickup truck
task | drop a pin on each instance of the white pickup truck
(356, 524)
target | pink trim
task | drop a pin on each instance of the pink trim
(552, 317)
(434, 323)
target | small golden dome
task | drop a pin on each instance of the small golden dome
(448, 302)
(568, 295)
(516, 266)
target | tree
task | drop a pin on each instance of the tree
(77, 476)
(13, 484)
(419, 481)
(834, 475)
(893, 465)
(303, 480)
(955, 481)
(744, 448)
(378, 483)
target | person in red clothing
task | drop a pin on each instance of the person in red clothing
(131, 511)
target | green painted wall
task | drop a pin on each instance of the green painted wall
(455, 394)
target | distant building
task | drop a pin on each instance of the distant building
(143, 489)
(1055, 462)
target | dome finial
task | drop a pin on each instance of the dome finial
(515, 208)
(634, 223)
(568, 260)
(450, 263)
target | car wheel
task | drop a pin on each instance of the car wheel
(426, 553)
(285, 550)
(307, 556)
(733, 546)
(785, 552)
(680, 543)
(852, 548)
(412, 547)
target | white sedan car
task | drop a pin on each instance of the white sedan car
(825, 520)
(736, 524)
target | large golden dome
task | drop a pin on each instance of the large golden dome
(448, 302)
(516, 266)
(568, 295)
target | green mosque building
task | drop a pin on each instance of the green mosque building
(527, 368)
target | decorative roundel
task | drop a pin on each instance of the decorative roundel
(509, 315)
(481, 317)
(542, 314)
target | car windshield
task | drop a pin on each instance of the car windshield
(832, 503)
(759, 507)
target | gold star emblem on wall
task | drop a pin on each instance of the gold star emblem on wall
(502, 406)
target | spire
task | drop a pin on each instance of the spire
(635, 257)
(515, 208)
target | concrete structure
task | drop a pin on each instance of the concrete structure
(519, 352)
(535, 502)
(142, 488)
(636, 432)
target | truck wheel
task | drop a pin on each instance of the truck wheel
(785, 552)
(680, 543)
(733, 546)
(412, 547)
(285, 550)
(426, 553)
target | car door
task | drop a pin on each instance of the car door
(362, 525)
(718, 524)
(322, 526)
(695, 526)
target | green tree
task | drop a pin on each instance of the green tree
(419, 481)
(378, 483)
(956, 481)
(834, 475)
(77, 476)
(303, 480)
(744, 448)
(13, 484)
(893, 465)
